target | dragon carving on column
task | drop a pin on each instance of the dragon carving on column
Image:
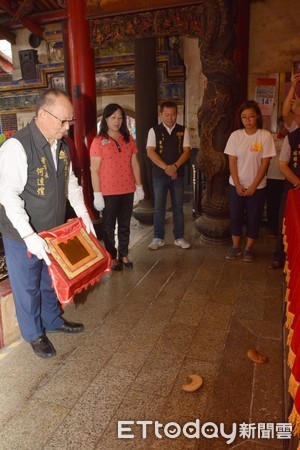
(216, 114)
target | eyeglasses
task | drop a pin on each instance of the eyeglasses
(248, 117)
(62, 122)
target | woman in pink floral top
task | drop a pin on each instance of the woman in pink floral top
(116, 181)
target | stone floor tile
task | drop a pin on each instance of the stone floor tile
(263, 328)
(274, 304)
(191, 308)
(134, 351)
(73, 377)
(32, 425)
(176, 337)
(160, 371)
(88, 419)
(249, 304)
(254, 271)
(190, 405)
(206, 279)
(210, 336)
(126, 316)
(177, 312)
(159, 381)
(136, 406)
(268, 407)
(225, 294)
(21, 374)
(232, 394)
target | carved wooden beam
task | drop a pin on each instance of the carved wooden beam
(27, 23)
(7, 35)
(184, 21)
(24, 9)
(100, 8)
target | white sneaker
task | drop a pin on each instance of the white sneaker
(182, 243)
(156, 243)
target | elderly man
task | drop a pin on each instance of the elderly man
(36, 178)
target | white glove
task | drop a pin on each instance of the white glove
(98, 201)
(88, 223)
(38, 246)
(139, 194)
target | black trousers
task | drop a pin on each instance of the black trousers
(253, 206)
(118, 210)
(274, 194)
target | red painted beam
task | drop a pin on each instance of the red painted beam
(7, 35)
(27, 23)
(102, 8)
(6, 65)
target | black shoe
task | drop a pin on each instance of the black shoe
(117, 266)
(69, 327)
(42, 347)
(275, 265)
(127, 264)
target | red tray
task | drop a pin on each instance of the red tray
(77, 259)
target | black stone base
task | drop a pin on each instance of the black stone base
(143, 212)
(213, 230)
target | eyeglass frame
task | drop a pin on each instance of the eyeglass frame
(248, 117)
(70, 122)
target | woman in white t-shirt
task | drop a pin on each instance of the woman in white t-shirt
(250, 149)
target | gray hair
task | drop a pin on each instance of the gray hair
(48, 98)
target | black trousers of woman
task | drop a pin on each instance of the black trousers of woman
(274, 195)
(118, 210)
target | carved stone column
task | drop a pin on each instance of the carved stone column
(216, 116)
(146, 117)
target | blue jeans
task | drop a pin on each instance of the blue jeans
(35, 300)
(161, 186)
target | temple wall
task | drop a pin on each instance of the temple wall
(22, 39)
(274, 36)
(274, 44)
